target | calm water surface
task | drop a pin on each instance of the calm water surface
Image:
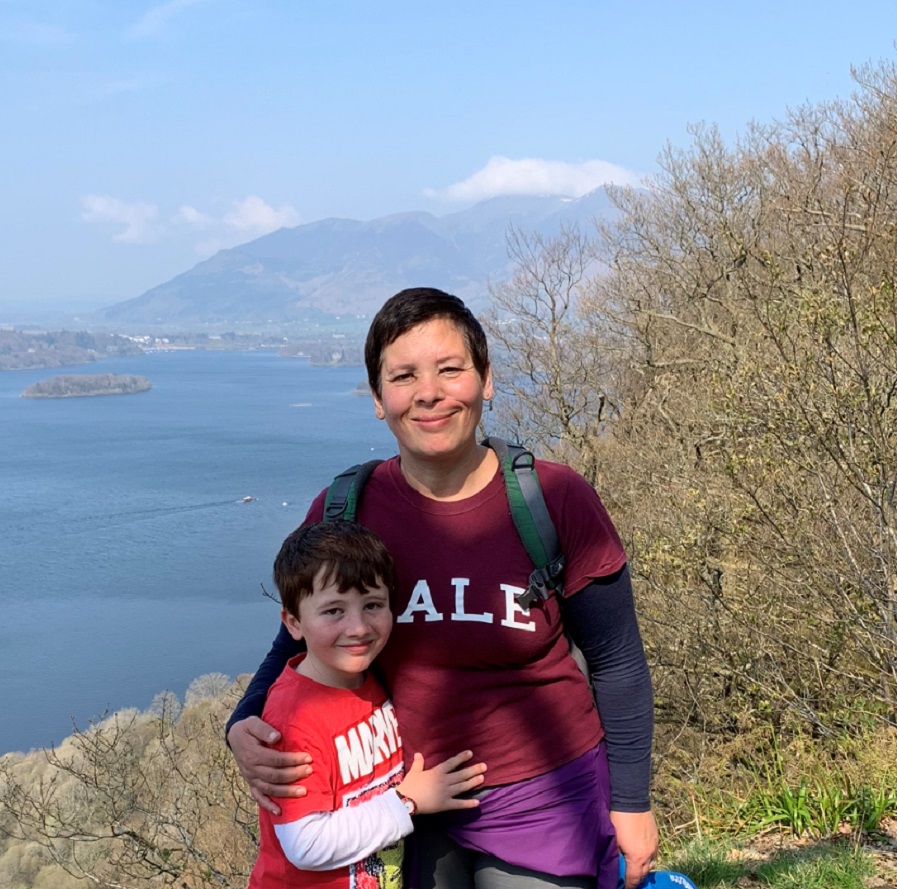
(128, 563)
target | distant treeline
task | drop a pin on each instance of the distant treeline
(61, 348)
(335, 353)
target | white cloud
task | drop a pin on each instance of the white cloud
(189, 215)
(143, 223)
(138, 218)
(156, 19)
(504, 176)
(253, 215)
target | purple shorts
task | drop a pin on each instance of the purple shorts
(557, 823)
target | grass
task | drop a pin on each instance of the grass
(726, 865)
(808, 815)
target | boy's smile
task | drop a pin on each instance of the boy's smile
(343, 632)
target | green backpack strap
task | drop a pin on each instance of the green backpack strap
(533, 523)
(526, 501)
(344, 492)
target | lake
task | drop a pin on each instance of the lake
(129, 563)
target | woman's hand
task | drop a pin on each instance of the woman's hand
(638, 841)
(434, 790)
(267, 772)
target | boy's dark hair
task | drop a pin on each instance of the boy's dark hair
(353, 557)
(408, 309)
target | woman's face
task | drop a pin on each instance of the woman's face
(431, 395)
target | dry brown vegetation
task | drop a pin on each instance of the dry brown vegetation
(140, 799)
(722, 363)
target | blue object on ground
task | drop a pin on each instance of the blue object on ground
(658, 879)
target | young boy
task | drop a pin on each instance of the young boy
(334, 580)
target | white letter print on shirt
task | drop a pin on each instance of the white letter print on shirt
(512, 609)
(460, 585)
(421, 600)
(367, 744)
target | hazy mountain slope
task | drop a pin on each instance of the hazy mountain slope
(338, 267)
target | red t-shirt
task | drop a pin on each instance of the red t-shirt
(353, 737)
(465, 666)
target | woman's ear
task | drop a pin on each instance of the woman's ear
(488, 389)
(292, 624)
(378, 409)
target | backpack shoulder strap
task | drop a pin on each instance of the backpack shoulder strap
(532, 521)
(344, 492)
(525, 499)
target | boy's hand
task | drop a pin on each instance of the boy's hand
(434, 790)
(267, 772)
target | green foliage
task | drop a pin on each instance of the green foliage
(707, 863)
(812, 788)
(783, 806)
(870, 806)
(821, 808)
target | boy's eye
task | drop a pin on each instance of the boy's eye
(331, 611)
(375, 606)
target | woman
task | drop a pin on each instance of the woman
(466, 666)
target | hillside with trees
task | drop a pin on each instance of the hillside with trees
(729, 382)
(21, 350)
(722, 364)
(140, 799)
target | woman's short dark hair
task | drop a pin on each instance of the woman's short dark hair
(408, 309)
(352, 556)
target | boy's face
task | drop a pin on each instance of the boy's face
(343, 632)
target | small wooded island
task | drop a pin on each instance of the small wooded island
(80, 385)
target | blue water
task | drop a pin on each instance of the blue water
(128, 563)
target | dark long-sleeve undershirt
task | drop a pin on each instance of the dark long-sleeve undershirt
(601, 621)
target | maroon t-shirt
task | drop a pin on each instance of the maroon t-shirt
(465, 666)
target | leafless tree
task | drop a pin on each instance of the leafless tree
(722, 359)
(553, 384)
(141, 799)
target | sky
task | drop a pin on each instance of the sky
(139, 138)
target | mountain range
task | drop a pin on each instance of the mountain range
(343, 268)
